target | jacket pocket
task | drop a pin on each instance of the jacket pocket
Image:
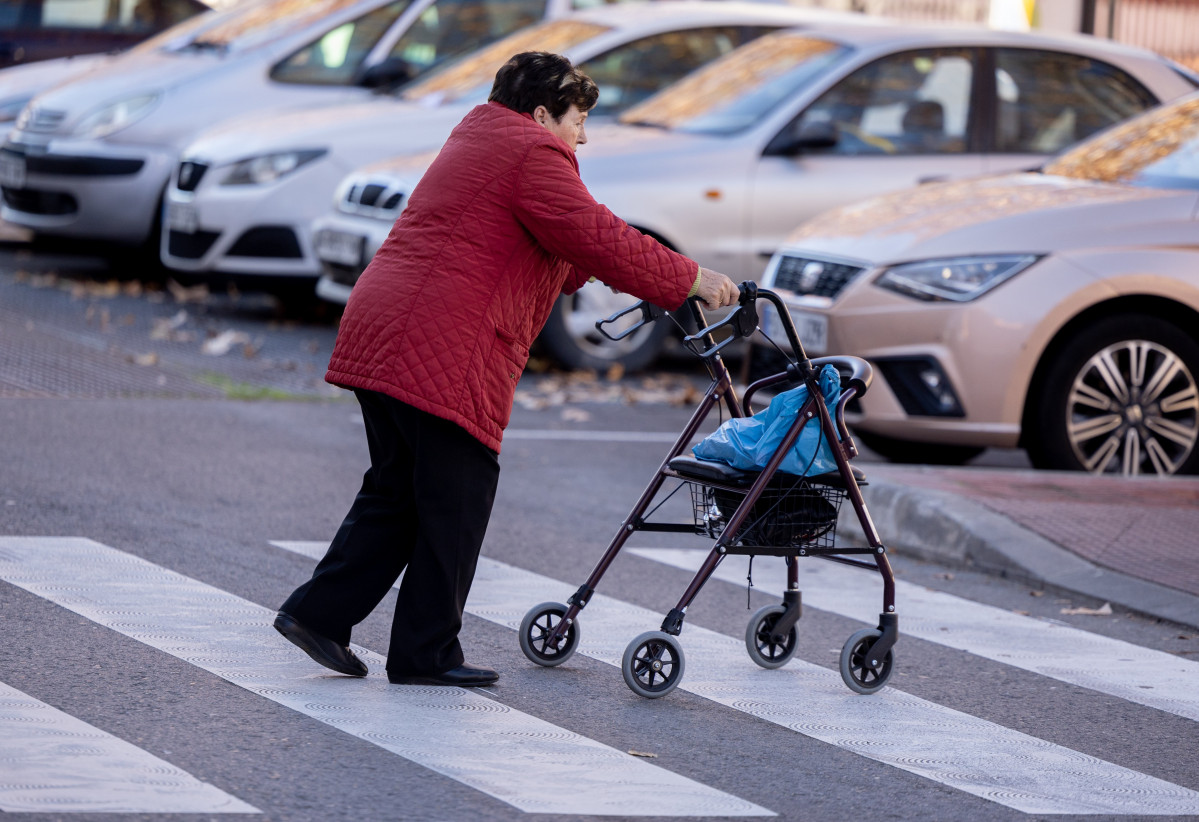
(503, 369)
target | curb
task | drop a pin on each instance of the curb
(946, 528)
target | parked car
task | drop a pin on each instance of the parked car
(1055, 310)
(91, 159)
(246, 192)
(724, 164)
(32, 30)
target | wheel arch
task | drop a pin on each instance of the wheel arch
(1163, 308)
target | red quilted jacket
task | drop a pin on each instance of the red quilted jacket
(500, 224)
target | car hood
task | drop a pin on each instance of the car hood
(128, 75)
(34, 78)
(1023, 213)
(382, 125)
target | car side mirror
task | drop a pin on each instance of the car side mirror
(392, 72)
(809, 136)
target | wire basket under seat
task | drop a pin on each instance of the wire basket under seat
(788, 519)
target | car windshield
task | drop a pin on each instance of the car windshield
(1159, 149)
(738, 90)
(472, 76)
(255, 22)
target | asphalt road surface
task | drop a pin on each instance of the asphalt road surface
(157, 502)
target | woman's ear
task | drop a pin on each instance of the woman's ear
(541, 116)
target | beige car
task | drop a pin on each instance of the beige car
(1057, 311)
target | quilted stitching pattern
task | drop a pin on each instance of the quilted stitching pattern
(500, 224)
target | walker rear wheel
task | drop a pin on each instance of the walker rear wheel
(535, 630)
(653, 664)
(763, 648)
(860, 672)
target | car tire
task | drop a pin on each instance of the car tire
(1100, 409)
(909, 452)
(571, 338)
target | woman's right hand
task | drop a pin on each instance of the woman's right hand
(716, 290)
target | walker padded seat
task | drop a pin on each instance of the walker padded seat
(721, 473)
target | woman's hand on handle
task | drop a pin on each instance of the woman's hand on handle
(716, 290)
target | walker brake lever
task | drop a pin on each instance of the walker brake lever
(742, 321)
(649, 313)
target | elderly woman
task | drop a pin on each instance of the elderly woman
(433, 341)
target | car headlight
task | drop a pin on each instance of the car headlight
(266, 168)
(11, 109)
(959, 279)
(115, 116)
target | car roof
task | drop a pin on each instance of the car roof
(707, 12)
(900, 34)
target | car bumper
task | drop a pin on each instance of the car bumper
(344, 245)
(953, 373)
(84, 189)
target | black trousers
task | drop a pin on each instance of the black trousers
(424, 507)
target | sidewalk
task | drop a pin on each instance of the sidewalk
(1130, 542)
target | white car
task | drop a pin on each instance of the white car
(246, 192)
(20, 84)
(91, 158)
(1056, 311)
(724, 164)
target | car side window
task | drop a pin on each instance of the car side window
(336, 57)
(914, 102)
(630, 73)
(125, 16)
(1048, 100)
(450, 28)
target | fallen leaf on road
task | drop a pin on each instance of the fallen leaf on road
(223, 342)
(642, 753)
(144, 359)
(1103, 610)
(1036, 593)
(167, 328)
(575, 415)
(182, 294)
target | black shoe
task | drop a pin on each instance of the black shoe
(464, 676)
(322, 650)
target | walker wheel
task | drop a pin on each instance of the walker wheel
(764, 650)
(535, 630)
(856, 668)
(653, 664)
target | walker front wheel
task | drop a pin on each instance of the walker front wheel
(653, 664)
(860, 672)
(535, 630)
(764, 648)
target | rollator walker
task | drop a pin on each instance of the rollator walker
(756, 513)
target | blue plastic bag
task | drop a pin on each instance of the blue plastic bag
(749, 442)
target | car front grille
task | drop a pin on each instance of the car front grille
(374, 199)
(190, 174)
(44, 120)
(812, 277)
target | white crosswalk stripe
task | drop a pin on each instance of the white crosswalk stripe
(947, 746)
(52, 762)
(442, 729)
(1111, 666)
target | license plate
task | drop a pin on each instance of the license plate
(812, 329)
(183, 217)
(340, 247)
(12, 170)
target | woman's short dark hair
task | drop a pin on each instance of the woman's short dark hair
(539, 78)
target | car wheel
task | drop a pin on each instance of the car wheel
(1120, 398)
(571, 338)
(926, 453)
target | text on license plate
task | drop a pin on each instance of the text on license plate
(12, 170)
(340, 247)
(812, 329)
(183, 217)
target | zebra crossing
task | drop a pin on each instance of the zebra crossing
(230, 638)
